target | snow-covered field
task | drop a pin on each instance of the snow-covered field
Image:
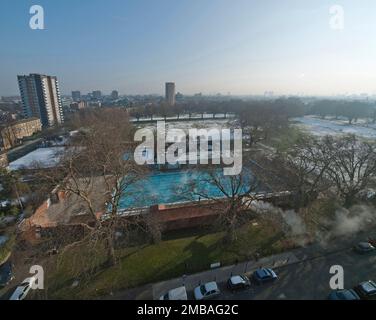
(321, 127)
(185, 116)
(198, 124)
(42, 158)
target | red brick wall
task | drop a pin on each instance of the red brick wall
(184, 216)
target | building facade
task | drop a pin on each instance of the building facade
(3, 160)
(76, 96)
(114, 95)
(11, 134)
(78, 105)
(170, 93)
(97, 94)
(40, 96)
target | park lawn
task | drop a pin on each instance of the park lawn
(168, 259)
(285, 138)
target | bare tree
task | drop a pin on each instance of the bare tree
(229, 196)
(261, 118)
(13, 185)
(352, 165)
(98, 166)
(303, 167)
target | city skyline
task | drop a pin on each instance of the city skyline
(249, 48)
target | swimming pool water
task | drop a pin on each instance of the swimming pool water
(173, 186)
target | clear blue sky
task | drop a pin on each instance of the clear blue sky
(237, 46)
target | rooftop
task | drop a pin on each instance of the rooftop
(19, 122)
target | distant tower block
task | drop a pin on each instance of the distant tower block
(170, 93)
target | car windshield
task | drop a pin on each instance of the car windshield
(263, 273)
(203, 290)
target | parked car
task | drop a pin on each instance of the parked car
(22, 290)
(175, 294)
(208, 290)
(238, 282)
(343, 295)
(264, 275)
(6, 274)
(364, 247)
(366, 290)
(372, 240)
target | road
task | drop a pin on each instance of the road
(310, 279)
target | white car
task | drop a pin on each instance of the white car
(175, 294)
(208, 290)
(23, 289)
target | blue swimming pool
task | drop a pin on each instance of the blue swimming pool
(173, 186)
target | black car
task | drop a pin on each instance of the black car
(238, 282)
(6, 274)
(264, 275)
(343, 295)
(364, 248)
(366, 290)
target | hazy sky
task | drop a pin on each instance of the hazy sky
(209, 46)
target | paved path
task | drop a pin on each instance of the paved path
(222, 274)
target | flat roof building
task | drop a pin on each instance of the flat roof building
(76, 95)
(114, 95)
(97, 94)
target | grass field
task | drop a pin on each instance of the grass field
(150, 263)
(283, 139)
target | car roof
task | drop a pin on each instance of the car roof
(178, 293)
(209, 286)
(264, 272)
(17, 292)
(368, 286)
(237, 279)
(347, 294)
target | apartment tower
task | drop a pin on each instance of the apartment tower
(40, 96)
(170, 93)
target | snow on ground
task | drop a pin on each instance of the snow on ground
(198, 124)
(194, 116)
(41, 157)
(322, 127)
